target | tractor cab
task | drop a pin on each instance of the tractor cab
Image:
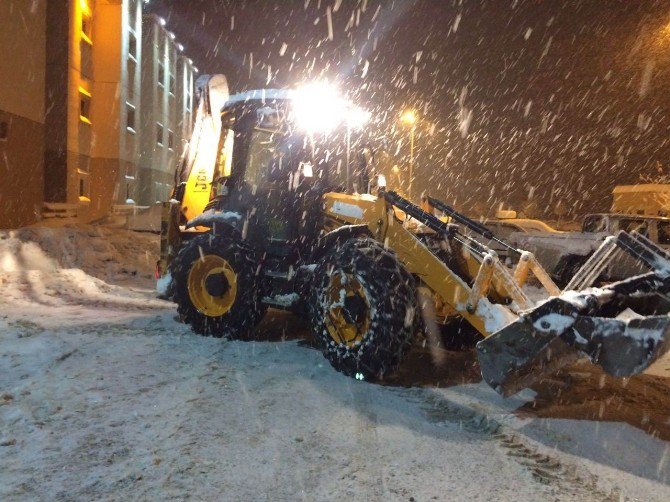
(261, 178)
(270, 178)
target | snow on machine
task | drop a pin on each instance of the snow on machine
(259, 218)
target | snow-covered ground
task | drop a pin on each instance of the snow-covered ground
(104, 395)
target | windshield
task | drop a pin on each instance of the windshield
(265, 159)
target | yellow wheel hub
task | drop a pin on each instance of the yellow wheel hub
(212, 285)
(348, 316)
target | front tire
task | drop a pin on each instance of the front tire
(216, 287)
(362, 309)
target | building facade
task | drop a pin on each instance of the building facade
(167, 97)
(75, 115)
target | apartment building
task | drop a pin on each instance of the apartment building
(74, 115)
(167, 98)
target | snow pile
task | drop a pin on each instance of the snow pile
(496, 317)
(163, 284)
(114, 255)
(74, 275)
(44, 293)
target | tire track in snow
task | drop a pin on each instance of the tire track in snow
(545, 469)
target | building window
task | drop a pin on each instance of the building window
(132, 69)
(132, 13)
(132, 45)
(159, 134)
(84, 164)
(84, 187)
(84, 105)
(173, 84)
(161, 74)
(130, 120)
(4, 130)
(170, 140)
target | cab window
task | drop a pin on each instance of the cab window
(263, 155)
(633, 225)
(595, 224)
(664, 232)
(225, 154)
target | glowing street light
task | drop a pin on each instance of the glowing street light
(410, 118)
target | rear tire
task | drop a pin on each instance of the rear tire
(234, 308)
(381, 319)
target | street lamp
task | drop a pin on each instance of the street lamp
(355, 118)
(409, 118)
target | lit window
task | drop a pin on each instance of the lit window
(86, 21)
(159, 133)
(130, 121)
(84, 105)
(84, 186)
(170, 140)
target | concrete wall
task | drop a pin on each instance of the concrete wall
(22, 58)
(22, 71)
(21, 171)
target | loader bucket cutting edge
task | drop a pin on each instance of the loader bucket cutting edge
(554, 335)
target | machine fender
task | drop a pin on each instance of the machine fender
(220, 223)
(337, 237)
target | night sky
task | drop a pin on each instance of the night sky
(525, 103)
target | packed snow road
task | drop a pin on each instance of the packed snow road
(104, 395)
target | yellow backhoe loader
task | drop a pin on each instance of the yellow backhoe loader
(260, 218)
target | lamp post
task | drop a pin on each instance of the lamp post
(355, 118)
(409, 118)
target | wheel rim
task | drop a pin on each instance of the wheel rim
(348, 315)
(212, 285)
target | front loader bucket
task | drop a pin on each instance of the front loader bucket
(556, 333)
(623, 327)
(524, 351)
(625, 348)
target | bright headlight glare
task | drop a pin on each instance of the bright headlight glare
(319, 108)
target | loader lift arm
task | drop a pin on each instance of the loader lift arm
(540, 339)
